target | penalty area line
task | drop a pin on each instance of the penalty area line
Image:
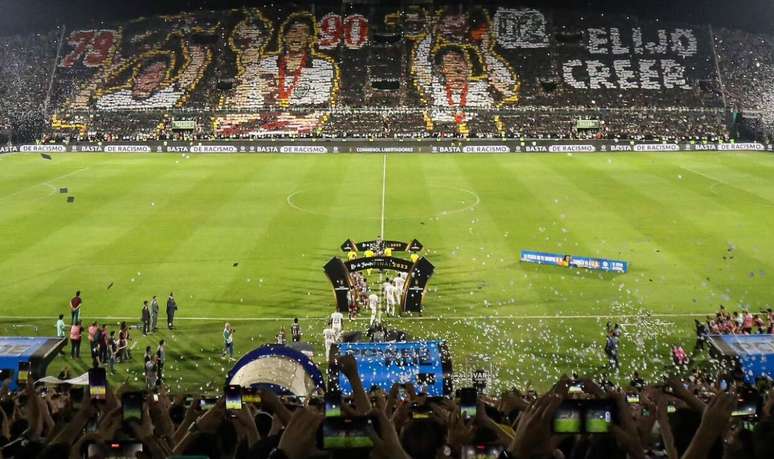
(455, 317)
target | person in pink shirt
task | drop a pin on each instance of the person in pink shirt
(92, 332)
(747, 323)
(75, 340)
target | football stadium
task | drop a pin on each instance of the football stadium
(409, 229)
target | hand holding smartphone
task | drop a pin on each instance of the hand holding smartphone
(132, 406)
(233, 399)
(23, 374)
(333, 404)
(468, 403)
(97, 384)
(585, 416)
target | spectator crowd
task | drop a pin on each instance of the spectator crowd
(695, 416)
(383, 89)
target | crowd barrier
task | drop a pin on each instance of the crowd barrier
(312, 146)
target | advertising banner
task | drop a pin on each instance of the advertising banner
(381, 146)
(571, 261)
(753, 354)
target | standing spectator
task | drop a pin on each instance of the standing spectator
(76, 332)
(111, 350)
(60, 330)
(154, 311)
(92, 333)
(104, 344)
(228, 341)
(295, 330)
(75, 307)
(60, 326)
(171, 308)
(702, 334)
(124, 338)
(150, 369)
(281, 338)
(146, 318)
(611, 349)
(161, 354)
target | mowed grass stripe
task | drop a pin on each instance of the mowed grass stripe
(509, 206)
(417, 196)
(70, 236)
(749, 174)
(232, 212)
(678, 278)
(270, 251)
(620, 236)
(668, 226)
(568, 227)
(132, 261)
(293, 260)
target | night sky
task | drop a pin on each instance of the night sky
(23, 16)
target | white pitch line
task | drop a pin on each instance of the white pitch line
(384, 193)
(46, 183)
(512, 317)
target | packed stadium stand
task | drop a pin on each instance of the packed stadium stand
(350, 70)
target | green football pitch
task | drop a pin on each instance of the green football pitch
(695, 228)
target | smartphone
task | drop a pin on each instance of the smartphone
(97, 383)
(481, 451)
(346, 433)
(76, 397)
(251, 395)
(23, 373)
(91, 425)
(418, 411)
(131, 406)
(633, 398)
(333, 404)
(233, 397)
(568, 418)
(585, 416)
(600, 415)
(206, 404)
(747, 403)
(575, 388)
(725, 383)
(402, 394)
(187, 401)
(114, 449)
(468, 402)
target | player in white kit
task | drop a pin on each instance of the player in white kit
(389, 297)
(373, 304)
(329, 336)
(399, 282)
(336, 323)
